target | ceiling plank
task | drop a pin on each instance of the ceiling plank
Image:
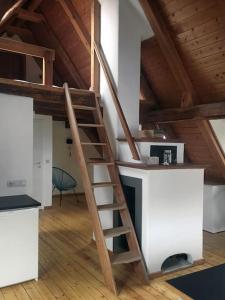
(77, 23)
(10, 14)
(166, 43)
(30, 16)
(211, 110)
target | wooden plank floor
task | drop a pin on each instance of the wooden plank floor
(69, 267)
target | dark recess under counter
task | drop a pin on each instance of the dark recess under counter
(17, 202)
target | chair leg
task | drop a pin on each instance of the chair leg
(60, 198)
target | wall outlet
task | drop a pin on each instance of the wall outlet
(17, 183)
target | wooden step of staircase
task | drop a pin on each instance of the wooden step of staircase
(127, 228)
(113, 206)
(117, 231)
(90, 125)
(125, 258)
(100, 162)
(84, 107)
(103, 184)
(93, 144)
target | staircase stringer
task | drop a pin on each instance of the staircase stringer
(100, 239)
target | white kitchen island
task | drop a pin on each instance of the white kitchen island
(167, 210)
(19, 239)
(171, 211)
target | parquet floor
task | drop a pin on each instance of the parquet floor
(69, 267)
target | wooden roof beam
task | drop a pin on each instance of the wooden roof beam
(25, 48)
(28, 89)
(30, 16)
(77, 23)
(10, 14)
(167, 45)
(34, 4)
(211, 110)
(95, 37)
(64, 57)
(23, 33)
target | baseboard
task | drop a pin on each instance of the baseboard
(159, 274)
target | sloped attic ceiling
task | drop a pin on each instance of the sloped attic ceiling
(198, 30)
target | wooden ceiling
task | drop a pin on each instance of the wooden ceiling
(197, 29)
(184, 69)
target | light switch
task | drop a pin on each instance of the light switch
(17, 183)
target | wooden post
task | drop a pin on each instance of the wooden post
(47, 69)
(95, 37)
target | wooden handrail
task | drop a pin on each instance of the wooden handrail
(85, 38)
(102, 60)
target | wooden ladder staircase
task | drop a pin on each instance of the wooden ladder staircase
(134, 254)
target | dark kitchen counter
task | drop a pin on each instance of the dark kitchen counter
(17, 202)
(160, 167)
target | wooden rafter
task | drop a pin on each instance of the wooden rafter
(30, 16)
(25, 48)
(62, 54)
(85, 38)
(24, 33)
(10, 14)
(77, 23)
(167, 45)
(197, 112)
(95, 37)
(34, 4)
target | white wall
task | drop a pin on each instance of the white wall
(42, 165)
(122, 29)
(214, 213)
(16, 143)
(63, 154)
(122, 49)
(124, 153)
(219, 129)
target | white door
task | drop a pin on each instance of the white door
(42, 170)
(38, 173)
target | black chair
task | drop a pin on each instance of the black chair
(62, 181)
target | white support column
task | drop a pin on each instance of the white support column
(122, 29)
